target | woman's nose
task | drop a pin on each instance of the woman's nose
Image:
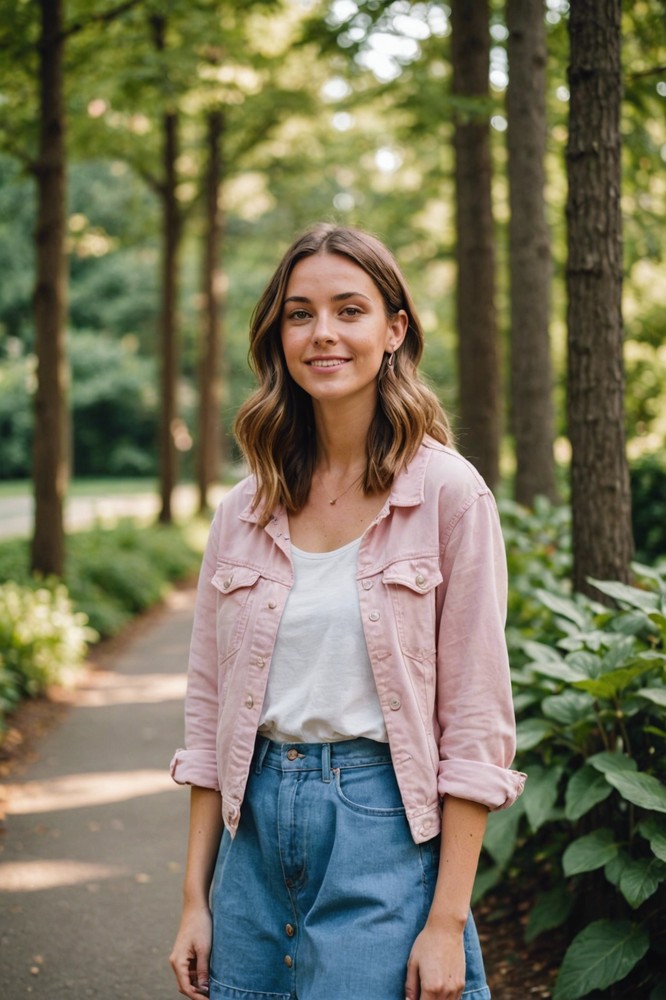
(323, 330)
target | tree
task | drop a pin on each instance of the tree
(529, 254)
(50, 466)
(600, 492)
(478, 349)
(211, 348)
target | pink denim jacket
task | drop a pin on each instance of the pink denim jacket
(432, 589)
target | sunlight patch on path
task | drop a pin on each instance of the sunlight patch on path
(75, 791)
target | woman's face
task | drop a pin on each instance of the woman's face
(334, 329)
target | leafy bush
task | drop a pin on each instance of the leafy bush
(590, 696)
(42, 640)
(648, 497)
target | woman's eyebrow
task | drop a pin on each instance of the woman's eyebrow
(340, 297)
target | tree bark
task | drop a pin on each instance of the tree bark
(478, 348)
(600, 491)
(50, 449)
(529, 254)
(168, 330)
(210, 389)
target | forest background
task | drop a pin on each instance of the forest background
(156, 158)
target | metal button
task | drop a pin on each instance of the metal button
(292, 754)
(289, 930)
(249, 701)
(420, 580)
(227, 582)
(272, 605)
(394, 704)
(374, 616)
(260, 662)
(288, 961)
(367, 584)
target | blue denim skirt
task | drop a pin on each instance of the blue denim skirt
(322, 892)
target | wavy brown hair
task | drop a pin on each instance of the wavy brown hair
(275, 426)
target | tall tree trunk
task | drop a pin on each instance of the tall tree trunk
(600, 491)
(168, 332)
(478, 348)
(50, 454)
(529, 253)
(210, 390)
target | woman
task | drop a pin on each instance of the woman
(348, 692)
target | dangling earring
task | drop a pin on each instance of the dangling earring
(391, 359)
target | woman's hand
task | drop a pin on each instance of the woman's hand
(436, 967)
(191, 950)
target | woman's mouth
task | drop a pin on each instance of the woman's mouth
(327, 362)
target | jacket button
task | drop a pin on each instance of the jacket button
(367, 584)
(374, 616)
(288, 961)
(289, 930)
(227, 583)
(249, 701)
(272, 605)
(394, 704)
(260, 662)
(420, 580)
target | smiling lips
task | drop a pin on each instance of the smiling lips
(327, 362)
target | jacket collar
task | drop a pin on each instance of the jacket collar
(408, 490)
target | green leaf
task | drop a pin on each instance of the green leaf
(641, 789)
(586, 789)
(603, 953)
(654, 830)
(540, 652)
(550, 910)
(589, 852)
(609, 685)
(564, 607)
(585, 663)
(540, 794)
(608, 762)
(567, 708)
(644, 600)
(654, 694)
(640, 879)
(613, 869)
(501, 834)
(531, 732)
(659, 992)
(559, 671)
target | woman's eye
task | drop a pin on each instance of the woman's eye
(298, 314)
(351, 311)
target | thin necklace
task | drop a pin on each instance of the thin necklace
(334, 500)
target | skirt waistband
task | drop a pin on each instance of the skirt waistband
(322, 757)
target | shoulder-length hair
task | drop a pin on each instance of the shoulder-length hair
(275, 426)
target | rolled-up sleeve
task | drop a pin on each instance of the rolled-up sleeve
(196, 764)
(474, 703)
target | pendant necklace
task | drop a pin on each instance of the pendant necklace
(333, 500)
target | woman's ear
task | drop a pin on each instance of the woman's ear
(397, 330)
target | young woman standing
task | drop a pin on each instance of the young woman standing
(348, 719)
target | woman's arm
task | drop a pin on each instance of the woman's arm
(436, 968)
(191, 950)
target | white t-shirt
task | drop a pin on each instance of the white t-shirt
(320, 686)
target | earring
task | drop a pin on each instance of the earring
(391, 359)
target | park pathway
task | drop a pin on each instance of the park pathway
(91, 857)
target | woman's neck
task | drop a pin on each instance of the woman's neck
(341, 440)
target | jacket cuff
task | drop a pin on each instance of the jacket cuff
(195, 767)
(494, 787)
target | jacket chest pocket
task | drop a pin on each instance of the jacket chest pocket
(412, 585)
(237, 589)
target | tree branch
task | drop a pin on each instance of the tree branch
(653, 71)
(103, 17)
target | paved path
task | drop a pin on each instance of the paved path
(91, 861)
(81, 512)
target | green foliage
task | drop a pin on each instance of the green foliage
(648, 494)
(590, 695)
(42, 641)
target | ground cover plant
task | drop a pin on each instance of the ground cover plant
(111, 575)
(590, 695)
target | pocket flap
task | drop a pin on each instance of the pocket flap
(419, 575)
(229, 578)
